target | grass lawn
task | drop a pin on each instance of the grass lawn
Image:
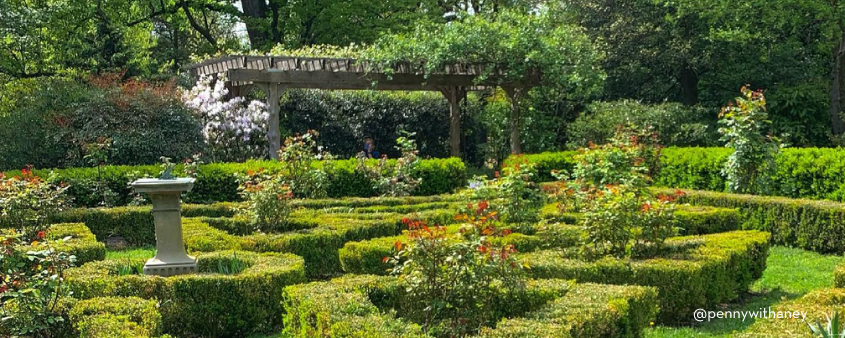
(129, 253)
(790, 273)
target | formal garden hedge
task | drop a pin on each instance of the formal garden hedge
(813, 173)
(236, 293)
(109, 317)
(694, 272)
(556, 308)
(807, 224)
(216, 182)
(77, 239)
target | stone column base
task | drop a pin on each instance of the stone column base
(159, 268)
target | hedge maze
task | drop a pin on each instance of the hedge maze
(323, 276)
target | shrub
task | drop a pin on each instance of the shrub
(677, 125)
(811, 225)
(108, 317)
(32, 285)
(551, 308)
(451, 283)
(514, 195)
(694, 272)
(267, 198)
(749, 168)
(27, 202)
(297, 157)
(207, 304)
(234, 129)
(216, 182)
(76, 240)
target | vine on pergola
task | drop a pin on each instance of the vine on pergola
(517, 51)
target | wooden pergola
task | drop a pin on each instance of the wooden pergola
(274, 74)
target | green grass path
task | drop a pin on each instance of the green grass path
(790, 273)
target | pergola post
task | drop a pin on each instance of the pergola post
(273, 93)
(514, 95)
(454, 94)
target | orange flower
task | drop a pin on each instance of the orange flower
(41, 235)
(398, 245)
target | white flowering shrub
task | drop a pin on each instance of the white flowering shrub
(234, 129)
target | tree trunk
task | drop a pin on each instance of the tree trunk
(259, 37)
(689, 86)
(515, 120)
(837, 75)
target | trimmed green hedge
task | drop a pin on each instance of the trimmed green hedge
(365, 257)
(815, 304)
(692, 220)
(702, 271)
(359, 306)
(839, 276)
(216, 182)
(110, 317)
(134, 224)
(807, 224)
(80, 242)
(208, 304)
(814, 173)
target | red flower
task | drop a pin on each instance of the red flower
(483, 205)
(507, 232)
(496, 174)
(482, 249)
(41, 235)
(385, 259)
(3, 288)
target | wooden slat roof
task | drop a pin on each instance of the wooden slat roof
(337, 73)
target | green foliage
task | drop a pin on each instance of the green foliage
(267, 198)
(251, 298)
(514, 195)
(452, 283)
(609, 185)
(53, 122)
(106, 317)
(816, 304)
(695, 272)
(551, 308)
(677, 125)
(750, 167)
(807, 224)
(76, 240)
(297, 157)
(32, 285)
(216, 182)
(834, 327)
(27, 202)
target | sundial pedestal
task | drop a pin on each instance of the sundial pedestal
(171, 258)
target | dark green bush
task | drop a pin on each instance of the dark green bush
(716, 269)
(48, 121)
(216, 182)
(807, 224)
(208, 304)
(109, 317)
(677, 124)
(553, 308)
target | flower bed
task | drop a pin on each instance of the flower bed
(208, 304)
(552, 308)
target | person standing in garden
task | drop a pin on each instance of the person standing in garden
(370, 148)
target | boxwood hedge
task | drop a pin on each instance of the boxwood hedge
(367, 306)
(814, 173)
(692, 220)
(208, 304)
(216, 182)
(807, 224)
(109, 317)
(77, 239)
(698, 272)
(365, 257)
